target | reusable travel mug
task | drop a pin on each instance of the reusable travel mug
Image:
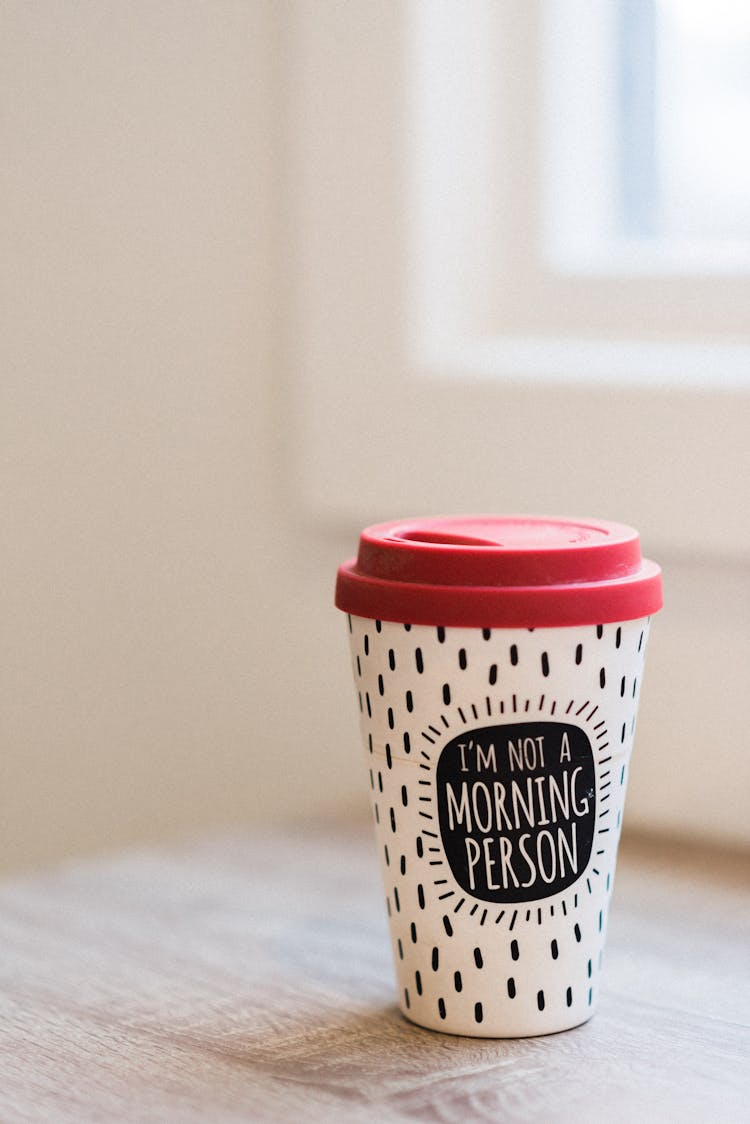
(498, 662)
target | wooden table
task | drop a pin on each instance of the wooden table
(249, 979)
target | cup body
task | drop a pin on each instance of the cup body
(498, 763)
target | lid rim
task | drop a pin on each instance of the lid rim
(553, 606)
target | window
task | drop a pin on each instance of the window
(645, 106)
(530, 205)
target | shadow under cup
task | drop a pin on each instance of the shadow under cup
(498, 707)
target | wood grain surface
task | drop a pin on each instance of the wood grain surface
(249, 979)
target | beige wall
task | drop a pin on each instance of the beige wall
(141, 429)
(171, 658)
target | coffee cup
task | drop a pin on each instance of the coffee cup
(498, 662)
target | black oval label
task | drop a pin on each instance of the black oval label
(517, 805)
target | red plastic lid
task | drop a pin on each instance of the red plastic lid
(498, 571)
